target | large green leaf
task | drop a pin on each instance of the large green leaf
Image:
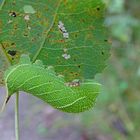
(31, 27)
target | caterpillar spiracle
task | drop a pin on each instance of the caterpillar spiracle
(43, 83)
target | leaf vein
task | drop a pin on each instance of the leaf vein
(70, 104)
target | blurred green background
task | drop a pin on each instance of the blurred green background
(116, 115)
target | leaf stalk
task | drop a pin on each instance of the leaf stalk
(17, 117)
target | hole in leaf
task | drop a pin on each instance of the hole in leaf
(13, 44)
(13, 14)
(79, 66)
(98, 9)
(12, 52)
(76, 74)
(102, 53)
(76, 35)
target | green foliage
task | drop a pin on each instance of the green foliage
(120, 22)
(44, 84)
(31, 27)
(67, 35)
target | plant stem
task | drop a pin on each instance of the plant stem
(17, 116)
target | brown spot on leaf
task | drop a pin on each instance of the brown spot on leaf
(6, 44)
(15, 26)
(13, 45)
(25, 34)
(59, 41)
(33, 39)
(83, 20)
(14, 3)
(76, 74)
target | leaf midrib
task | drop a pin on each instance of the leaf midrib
(2, 4)
(45, 37)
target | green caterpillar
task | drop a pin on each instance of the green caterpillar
(43, 83)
